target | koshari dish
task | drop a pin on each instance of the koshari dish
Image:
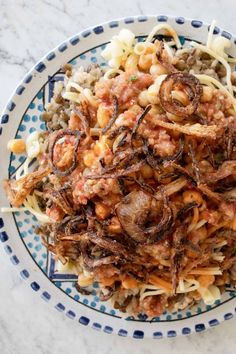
(135, 185)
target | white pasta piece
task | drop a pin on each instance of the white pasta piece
(74, 85)
(219, 44)
(187, 285)
(12, 210)
(140, 48)
(127, 37)
(152, 293)
(218, 256)
(220, 244)
(210, 295)
(206, 271)
(39, 215)
(112, 72)
(210, 34)
(181, 286)
(32, 145)
(67, 268)
(170, 30)
(71, 96)
(90, 98)
(119, 48)
(159, 80)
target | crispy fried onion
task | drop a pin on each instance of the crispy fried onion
(82, 290)
(194, 91)
(215, 197)
(133, 214)
(181, 171)
(195, 165)
(186, 208)
(140, 119)
(59, 135)
(107, 292)
(163, 58)
(97, 262)
(104, 242)
(177, 253)
(197, 130)
(59, 197)
(83, 119)
(119, 173)
(227, 169)
(18, 190)
(155, 161)
(114, 115)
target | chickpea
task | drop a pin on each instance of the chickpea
(192, 196)
(84, 280)
(89, 158)
(114, 226)
(145, 61)
(206, 280)
(143, 99)
(131, 64)
(207, 94)
(103, 115)
(152, 94)
(157, 69)
(100, 148)
(129, 283)
(102, 211)
(17, 146)
(174, 118)
(146, 171)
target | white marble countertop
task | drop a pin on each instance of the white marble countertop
(28, 29)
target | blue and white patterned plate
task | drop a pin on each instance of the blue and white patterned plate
(22, 116)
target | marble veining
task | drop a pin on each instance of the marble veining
(28, 29)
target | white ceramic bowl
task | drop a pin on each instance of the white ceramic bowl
(20, 117)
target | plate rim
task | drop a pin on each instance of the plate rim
(137, 333)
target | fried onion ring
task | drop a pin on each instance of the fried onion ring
(195, 93)
(60, 134)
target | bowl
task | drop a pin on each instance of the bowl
(17, 235)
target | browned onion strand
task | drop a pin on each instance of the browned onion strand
(163, 59)
(83, 119)
(119, 173)
(196, 168)
(59, 135)
(110, 293)
(82, 290)
(139, 120)
(177, 254)
(169, 105)
(60, 198)
(181, 171)
(97, 262)
(110, 245)
(183, 211)
(114, 115)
